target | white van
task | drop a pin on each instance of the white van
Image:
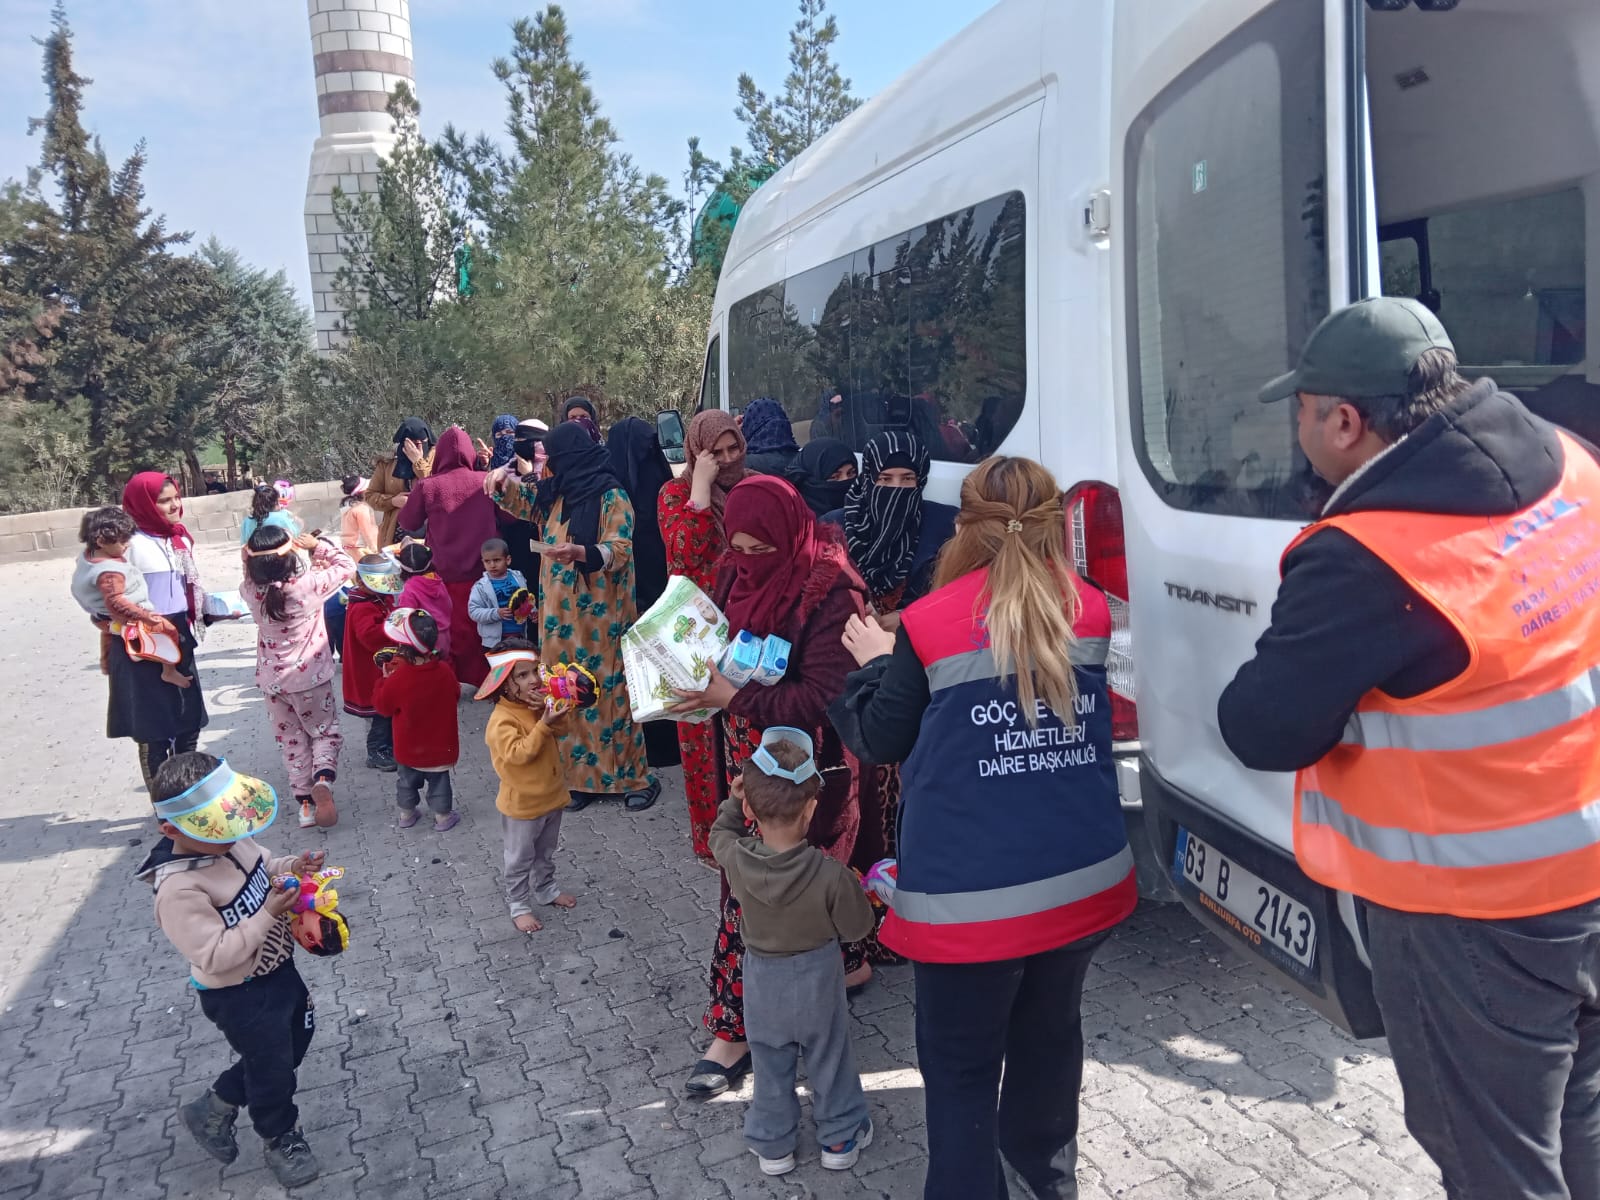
(1086, 231)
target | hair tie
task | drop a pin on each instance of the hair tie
(276, 552)
(1013, 526)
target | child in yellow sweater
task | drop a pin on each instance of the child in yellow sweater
(523, 739)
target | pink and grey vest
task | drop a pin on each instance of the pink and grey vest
(1011, 835)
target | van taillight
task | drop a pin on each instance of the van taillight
(1099, 552)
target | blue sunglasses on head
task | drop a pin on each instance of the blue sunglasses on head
(769, 765)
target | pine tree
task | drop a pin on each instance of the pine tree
(400, 243)
(576, 237)
(242, 367)
(98, 272)
(815, 96)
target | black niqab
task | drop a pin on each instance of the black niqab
(636, 457)
(811, 472)
(414, 429)
(582, 474)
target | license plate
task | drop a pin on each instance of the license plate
(1265, 916)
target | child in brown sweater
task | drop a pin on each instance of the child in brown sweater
(216, 901)
(524, 744)
(797, 906)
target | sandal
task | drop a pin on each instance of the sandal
(639, 801)
(408, 818)
(707, 1078)
(581, 801)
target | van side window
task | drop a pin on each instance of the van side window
(711, 382)
(925, 330)
(1227, 275)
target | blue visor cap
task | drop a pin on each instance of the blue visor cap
(769, 765)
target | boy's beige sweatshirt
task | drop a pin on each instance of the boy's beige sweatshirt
(212, 907)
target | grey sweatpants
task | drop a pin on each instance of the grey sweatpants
(408, 785)
(794, 1005)
(530, 861)
(1495, 1031)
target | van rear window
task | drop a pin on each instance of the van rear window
(1228, 266)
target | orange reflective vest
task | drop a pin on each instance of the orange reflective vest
(1480, 798)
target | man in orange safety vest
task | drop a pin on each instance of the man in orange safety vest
(1432, 675)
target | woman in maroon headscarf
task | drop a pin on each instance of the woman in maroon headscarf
(782, 574)
(689, 514)
(459, 519)
(163, 718)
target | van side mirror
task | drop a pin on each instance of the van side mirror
(669, 432)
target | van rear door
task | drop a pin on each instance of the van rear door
(1240, 222)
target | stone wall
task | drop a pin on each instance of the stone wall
(26, 537)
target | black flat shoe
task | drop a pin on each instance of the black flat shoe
(581, 801)
(708, 1079)
(639, 801)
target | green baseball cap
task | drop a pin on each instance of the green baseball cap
(1366, 349)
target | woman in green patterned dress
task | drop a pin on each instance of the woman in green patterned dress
(586, 603)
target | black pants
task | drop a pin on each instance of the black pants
(333, 614)
(1495, 1031)
(1021, 1014)
(268, 1022)
(380, 737)
(153, 754)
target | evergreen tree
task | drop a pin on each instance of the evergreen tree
(400, 243)
(815, 96)
(242, 367)
(577, 238)
(93, 267)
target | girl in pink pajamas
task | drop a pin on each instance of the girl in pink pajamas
(294, 664)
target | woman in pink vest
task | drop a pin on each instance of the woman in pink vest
(1013, 862)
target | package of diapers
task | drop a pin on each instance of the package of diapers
(673, 645)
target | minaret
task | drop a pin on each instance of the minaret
(361, 49)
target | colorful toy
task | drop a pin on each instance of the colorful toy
(317, 923)
(568, 686)
(880, 881)
(522, 606)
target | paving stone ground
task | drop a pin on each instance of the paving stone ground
(455, 1057)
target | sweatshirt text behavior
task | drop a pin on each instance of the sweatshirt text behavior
(213, 909)
(526, 755)
(792, 900)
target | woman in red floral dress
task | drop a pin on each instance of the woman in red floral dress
(689, 512)
(784, 575)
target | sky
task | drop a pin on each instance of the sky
(221, 91)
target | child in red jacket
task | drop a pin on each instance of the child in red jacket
(418, 691)
(370, 601)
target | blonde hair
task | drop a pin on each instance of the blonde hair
(1012, 521)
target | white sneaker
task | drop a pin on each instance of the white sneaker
(775, 1166)
(308, 815)
(845, 1155)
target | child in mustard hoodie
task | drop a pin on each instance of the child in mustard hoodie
(523, 739)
